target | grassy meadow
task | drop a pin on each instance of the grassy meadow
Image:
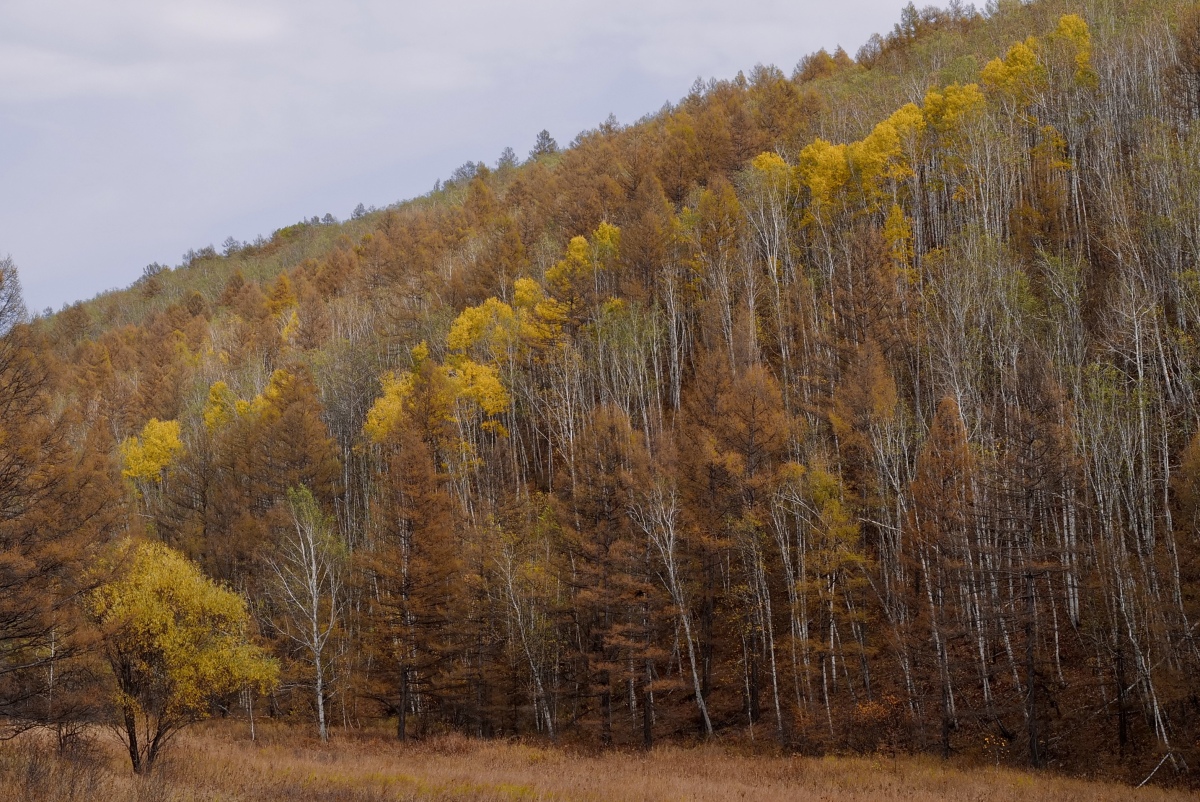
(219, 762)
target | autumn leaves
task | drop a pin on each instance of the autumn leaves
(798, 410)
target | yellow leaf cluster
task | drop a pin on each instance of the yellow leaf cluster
(420, 354)
(575, 266)
(773, 171)
(290, 326)
(1074, 30)
(282, 297)
(949, 110)
(183, 354)
(486, 336)
(221, 408)
(492, 325)
(268, 397)
(584, 259)
(388, 410)
(147, 456)
(481, 385)
(442, 388)
(881, 155)
(1019, 76)
(176, 633)
(824, 169)
(527, 293)
(541, 317)
(884, 155)
(606, 240)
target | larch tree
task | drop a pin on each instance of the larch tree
(59, 506)
(413, 565)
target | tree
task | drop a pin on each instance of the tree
(508, 159)
(654, 508)
(58, 504)
(258, 450)
(1184, 75)
(175, 641)
(544, 146)
(146, 458)
(413, 567)
(942, 511)
(603, 558)
(12, 307)
(307, 586)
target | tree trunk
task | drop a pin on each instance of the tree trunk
(402, 713)
(648, 706)
(135, 754)
(1035, 756)
(1122, 711)
(322, 726)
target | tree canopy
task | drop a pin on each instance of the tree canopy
(175, 641)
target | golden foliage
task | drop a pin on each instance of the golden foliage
(175, 642)
(221, 407)
(147, 456)
(1019, 76)
(1073, 30)
(824, 169)
(388, 410)
(492, 326)
(949, 110)
(442, 387)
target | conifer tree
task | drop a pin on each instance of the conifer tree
(59, 505)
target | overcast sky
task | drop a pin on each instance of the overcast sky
(133, 130)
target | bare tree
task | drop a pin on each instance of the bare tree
(655, 510)
(307, 574)
(12, 308)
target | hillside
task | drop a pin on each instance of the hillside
(852, 410)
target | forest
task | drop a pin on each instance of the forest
(851, 410)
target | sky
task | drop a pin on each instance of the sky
(134, 130)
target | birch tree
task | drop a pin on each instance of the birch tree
(307, 589)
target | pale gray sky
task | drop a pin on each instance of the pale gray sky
(133, 130)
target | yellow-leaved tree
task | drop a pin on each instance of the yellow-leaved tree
(461, 392)
(587, 274)
(1019, 78)
(146, 457)
(175, 641)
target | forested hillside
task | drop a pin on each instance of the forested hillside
(851, 409)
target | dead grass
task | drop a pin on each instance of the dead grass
(218, 762)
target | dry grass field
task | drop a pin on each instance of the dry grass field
(218, 762)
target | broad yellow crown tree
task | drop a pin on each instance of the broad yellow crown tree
(175, 642)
